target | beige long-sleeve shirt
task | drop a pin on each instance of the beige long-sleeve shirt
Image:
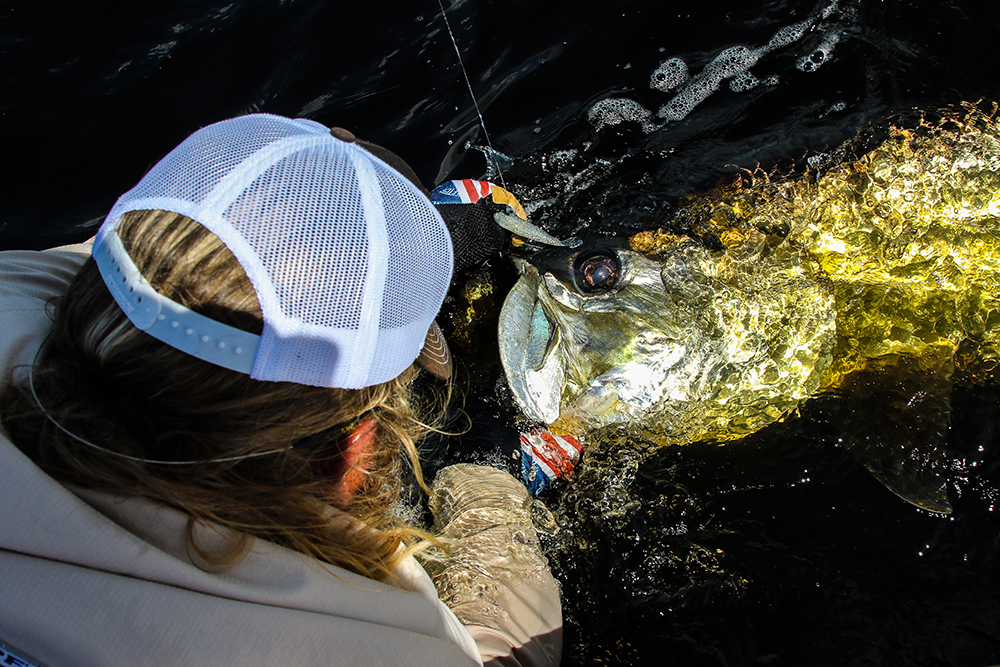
(87, 578)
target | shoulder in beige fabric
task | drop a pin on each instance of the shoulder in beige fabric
(91, 579)
(94, 580)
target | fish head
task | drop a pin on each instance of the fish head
(588, 326)
(604, 333)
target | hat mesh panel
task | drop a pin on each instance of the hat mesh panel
(286, 197)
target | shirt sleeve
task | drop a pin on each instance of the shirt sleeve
(495, 577)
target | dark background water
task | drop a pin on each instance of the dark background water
(782, 551)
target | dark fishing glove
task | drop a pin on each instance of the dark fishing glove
(469, 210)
(475, 235)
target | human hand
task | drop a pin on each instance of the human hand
(469, 209)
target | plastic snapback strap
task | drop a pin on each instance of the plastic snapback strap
(165, 319)
(13, 657)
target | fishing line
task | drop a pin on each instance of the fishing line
(475, 103)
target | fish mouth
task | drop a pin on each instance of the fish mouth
(530, 351)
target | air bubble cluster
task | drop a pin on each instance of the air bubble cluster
(614, 111)
(820, 55)
(670, 74)
(732, 64)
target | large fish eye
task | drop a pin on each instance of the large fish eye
(597, 272)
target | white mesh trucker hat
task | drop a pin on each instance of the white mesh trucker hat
(349, 259)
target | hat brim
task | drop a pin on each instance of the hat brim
(435, 357)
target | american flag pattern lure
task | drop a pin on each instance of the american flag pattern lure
(468, 191)
(546, 456)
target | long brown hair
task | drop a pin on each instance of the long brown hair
(110, 384)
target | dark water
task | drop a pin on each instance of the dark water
(781, 551)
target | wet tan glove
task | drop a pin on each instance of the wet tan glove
(495, 578)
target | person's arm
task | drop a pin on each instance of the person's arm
(495, 578)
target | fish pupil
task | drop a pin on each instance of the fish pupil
(598, 273)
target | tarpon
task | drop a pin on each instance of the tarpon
(877, 280)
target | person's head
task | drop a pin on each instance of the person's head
(263, 289)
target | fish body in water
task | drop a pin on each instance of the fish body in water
(877, 281)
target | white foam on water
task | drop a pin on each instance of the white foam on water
(743, 82)
(829, 9)
(561, 159)
(837, 106)
(733, 63)
(670, 74)
(616, 110)
(789, 35)
(814, 60)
